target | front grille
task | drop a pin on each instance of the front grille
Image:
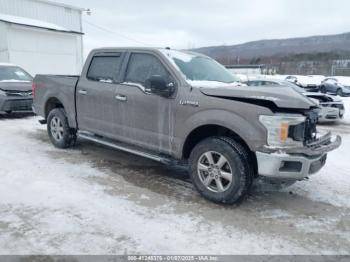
(18, 93)
(18, 105)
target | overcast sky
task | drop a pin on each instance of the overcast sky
(196, 23)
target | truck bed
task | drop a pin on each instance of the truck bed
(59, 87)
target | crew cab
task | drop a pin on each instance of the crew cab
(183, 107)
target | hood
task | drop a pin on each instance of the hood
(280, 96)
(16, 86)
(323, 97)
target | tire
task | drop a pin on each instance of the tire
(61, 135)
(210, 175)
(339, 92)
(323, 89)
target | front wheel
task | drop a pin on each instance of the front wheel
(61, 135)
(220, 170)
(323, 89)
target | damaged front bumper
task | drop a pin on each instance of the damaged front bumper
(296, 163)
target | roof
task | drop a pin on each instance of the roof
(18, 20)
(61, 5)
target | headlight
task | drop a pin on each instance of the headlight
(2, 93)
(279, 128)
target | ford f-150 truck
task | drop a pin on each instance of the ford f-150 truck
(182, 107)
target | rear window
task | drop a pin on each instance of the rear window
(105, 67)
(14, 74)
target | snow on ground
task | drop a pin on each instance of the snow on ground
(333, 181)
(53, 202)
(48, 206)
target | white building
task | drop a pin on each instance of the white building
(43, 37)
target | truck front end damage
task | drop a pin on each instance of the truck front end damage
(294, 149)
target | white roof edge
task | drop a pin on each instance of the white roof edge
(7, 64)
(24, 21)
(61, 4)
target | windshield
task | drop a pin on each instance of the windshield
(199, 68)
(295, 87)
(14, 74)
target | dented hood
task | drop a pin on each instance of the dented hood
(281, 96)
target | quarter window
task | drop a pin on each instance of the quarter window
(143, 66)
(105, 68)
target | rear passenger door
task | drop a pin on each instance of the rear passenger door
(146, 119)
(95, 95)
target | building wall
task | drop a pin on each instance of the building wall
(41, 51)
(4, 54)
(40, 10)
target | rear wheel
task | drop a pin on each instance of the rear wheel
(220, 170)
(61, 135)
(323, 89)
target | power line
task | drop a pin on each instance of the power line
(115, 33)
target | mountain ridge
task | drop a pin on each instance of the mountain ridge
(335, 43)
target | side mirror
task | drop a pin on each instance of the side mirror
(157, 85)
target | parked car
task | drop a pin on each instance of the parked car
(332, 108)
(183, 107)
(15, 89)
(332, 85)
(309, 83)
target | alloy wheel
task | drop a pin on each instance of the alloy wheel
(56, 127)
(215, 171)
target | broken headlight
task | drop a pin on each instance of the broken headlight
(283, 130)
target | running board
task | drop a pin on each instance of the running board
(123, 147)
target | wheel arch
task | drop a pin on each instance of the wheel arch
(211, 130)
(52, 103)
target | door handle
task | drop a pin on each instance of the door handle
(121, 98)
(82, 92)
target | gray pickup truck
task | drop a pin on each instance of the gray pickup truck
(182, 107)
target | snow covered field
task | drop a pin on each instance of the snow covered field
(94, 200)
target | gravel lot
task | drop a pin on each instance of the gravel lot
(94, 200)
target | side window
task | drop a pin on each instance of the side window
(104, 68)
(143, 66)
(271, 83)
